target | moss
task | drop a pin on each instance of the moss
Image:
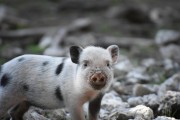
(34, 49)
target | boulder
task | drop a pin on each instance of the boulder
(151, 100)
(141, 90)
(171, 51)
(170, 104)
(142, 112)
(167, 36)
(39, 114)
(138, 75)
(121, 88)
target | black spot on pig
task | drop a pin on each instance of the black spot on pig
(5, 80)
(59, 68)
(58, 93)
(25, 87)
(45, 63)
(21, 59)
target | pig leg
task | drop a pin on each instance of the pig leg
(77, 113)
(94, 107)
(18, 111)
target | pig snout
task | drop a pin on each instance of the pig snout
(98, 80)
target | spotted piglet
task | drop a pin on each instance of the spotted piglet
(55, 82)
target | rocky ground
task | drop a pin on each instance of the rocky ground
(147, 75)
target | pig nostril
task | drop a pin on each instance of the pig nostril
(94, 79)
(102, 80)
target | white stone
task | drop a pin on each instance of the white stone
(164, 118)
(124, 65)
(142, 111)
(149, 100)
(138, 75)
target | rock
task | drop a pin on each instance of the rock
(34, 114)
(142, 112)
(138, 75)
(39, 114)
(123, 116)
(135, 15)
(173, 83)
(171, 51)
(59, 114)
(148, 62)
(141, 90)
(170, 104)
(124, 65)
(122, 89)
(111, 103)
(113, 12)
(111, 100)
(168, 64)
(137, 113)
(167, 36)
(164, 16)
(164, 118)
(150, 100)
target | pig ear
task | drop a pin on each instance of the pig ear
(114, 51)
(75, 52)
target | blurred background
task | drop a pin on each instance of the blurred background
(147, 32)
(50, 26)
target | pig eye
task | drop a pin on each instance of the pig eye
(108, 64)
(85, 63)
